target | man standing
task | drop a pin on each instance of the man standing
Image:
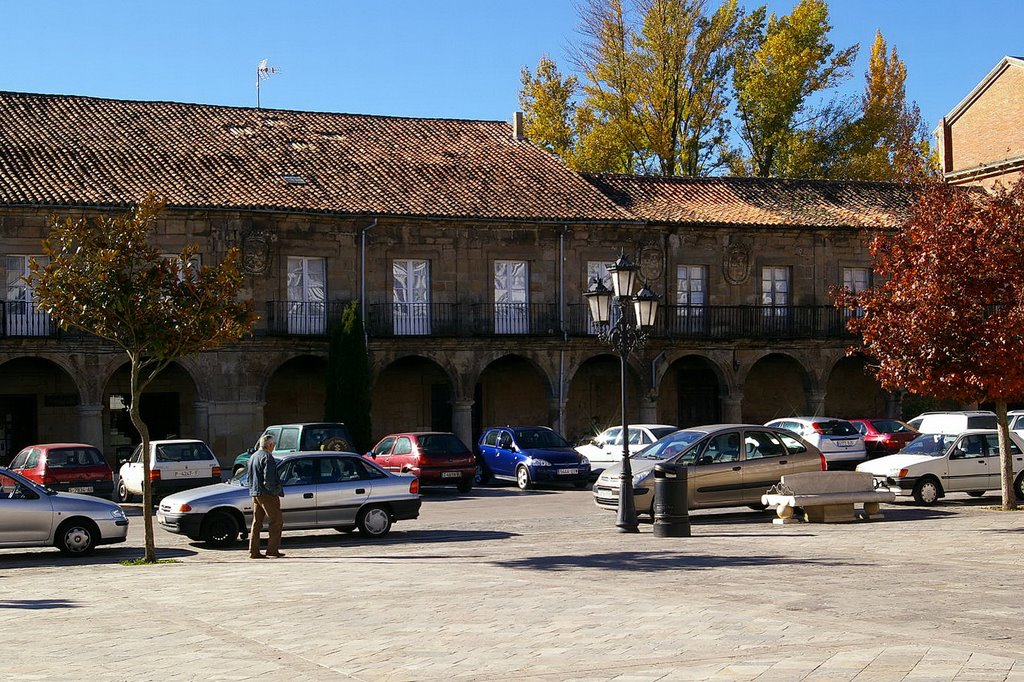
(266, 490)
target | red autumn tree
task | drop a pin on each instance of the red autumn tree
(947, 318)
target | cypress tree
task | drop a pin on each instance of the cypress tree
(348, 378)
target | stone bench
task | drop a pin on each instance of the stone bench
(827, 497)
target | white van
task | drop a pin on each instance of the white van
(953, 423)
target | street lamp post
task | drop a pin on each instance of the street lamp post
(625, 336)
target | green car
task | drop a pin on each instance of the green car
(299, 438)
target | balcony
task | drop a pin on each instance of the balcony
(20, 319)
(299, 318)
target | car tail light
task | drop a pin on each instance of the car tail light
(885, 437)
(423, 461)
(824, 462)
(106, 476)
(818, 428)
(215, 472)
(154, 474)
(414, 487)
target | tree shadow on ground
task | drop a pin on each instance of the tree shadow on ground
(355, 540)
(103, 555)
(662, 561)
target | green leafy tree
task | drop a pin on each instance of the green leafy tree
(546, 98)
(947, 319)
(780, 64)
(104, 278)
(348, 378)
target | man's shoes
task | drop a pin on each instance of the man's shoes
(257, 556)
(275, 555)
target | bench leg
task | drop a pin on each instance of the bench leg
(830, 513)
(785, 515)
(873, 510)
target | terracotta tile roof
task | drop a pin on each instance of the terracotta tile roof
(62, 150)
(756, 202)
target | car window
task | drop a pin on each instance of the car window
(636, 437)
(862, 428)
(19, 460)
(289, 439)
(541, 438)
(314, 437)
(137, 455)
(383, 447)
(403, 446)
(505, 440)
(792, 445)
(298, 472)
(338, 470)
(761, 444)
(981, 421)
(663, 431)
(12, 489)
(613, 436)
(725, 447)
(933, 444)
(437, 443)
(973, 446)
(183, 452)
(835, 427)
(367, 470)
(491, 438)
(74, 457)
(992, 443)
(671, 446)
(273, 433)
(890, 426)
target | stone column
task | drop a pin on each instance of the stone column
(202, 420)
(90, 425)
(816, 403)
(648, 409)
(462, 421)
(232, 426)
(732, 409)
(558, 406)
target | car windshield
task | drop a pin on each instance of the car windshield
(314, 437)
(931, 444)
(28, 483)
(74, 457)
(195, 451)
(437, 443)
(670, 445)
(540, 438)
(836, 427)
(662, 431)
(890, 426)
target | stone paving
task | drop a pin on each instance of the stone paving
(538, 586)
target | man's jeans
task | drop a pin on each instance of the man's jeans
(266, 507)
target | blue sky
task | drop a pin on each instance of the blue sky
(436, 58)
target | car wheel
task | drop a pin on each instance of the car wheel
(122, 495)
(219, 529)
(523, 478)
(976, 493)
(76, 537)
(927, 491)
(483, 476)
(374, 522)
(465, 485)
(1018, 487)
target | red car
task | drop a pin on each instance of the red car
(884, 436)
(435, 457)
(68, 467)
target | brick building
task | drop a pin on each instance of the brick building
(981, 141)
(469, 249)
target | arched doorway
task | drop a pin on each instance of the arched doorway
(690, 393)
(38, 401)
(296, 391)
(411, 394)
(776, 386)
(852, 391)
(511, 391)
(594, 400)
(167, 406)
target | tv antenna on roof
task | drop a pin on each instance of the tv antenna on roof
(263, 72)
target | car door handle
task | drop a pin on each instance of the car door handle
(783, 461)
(360, 491)
(307, 496)
(736, 468)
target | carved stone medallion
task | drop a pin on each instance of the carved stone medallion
(256, 251)
(652, 261)
(736, 262)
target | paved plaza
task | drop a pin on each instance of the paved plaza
(509, 585)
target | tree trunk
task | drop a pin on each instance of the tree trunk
(1005, 460)
(147, 486)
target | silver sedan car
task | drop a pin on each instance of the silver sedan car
(35, 516)
(339, 490)
(728, 465)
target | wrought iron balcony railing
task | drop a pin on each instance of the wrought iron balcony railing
(302, 318)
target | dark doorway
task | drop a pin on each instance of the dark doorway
(441, 407)
(698, 393)
(17, 425)
(159, 411)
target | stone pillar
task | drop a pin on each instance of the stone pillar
(232, 426)
(462, 422)
(732, 409)
(894, 405)
(648, 411)
(90, 425)
(816, 403)
(559, 408)
(202, 420)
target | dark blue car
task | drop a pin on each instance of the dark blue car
(529, 455)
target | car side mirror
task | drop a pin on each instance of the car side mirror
(122, 460)
(706, 459)
(252, 449)
(371, 455)
(958, 454)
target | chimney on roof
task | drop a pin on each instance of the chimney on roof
(518, 129)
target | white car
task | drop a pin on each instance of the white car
(32, 515)
(935, 464)
(954, 421)
(1016, 419)
(838, 439)
(174, 465)
(606, 448)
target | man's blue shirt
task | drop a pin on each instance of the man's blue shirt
(263, 478)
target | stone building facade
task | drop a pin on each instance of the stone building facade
(469, 250)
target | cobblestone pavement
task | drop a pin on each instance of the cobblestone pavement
(505, 585)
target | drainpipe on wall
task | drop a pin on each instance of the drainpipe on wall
(362, 273)
(562, 327)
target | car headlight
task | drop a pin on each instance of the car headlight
(584, 460)
(533, 461)
(640, 478)
(118, 514)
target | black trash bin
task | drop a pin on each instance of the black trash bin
(671, 508)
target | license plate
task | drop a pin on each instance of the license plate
(186, 473)
(568, 472)
(451, 474)
(81, 489)
(844, 443)
(160, 518)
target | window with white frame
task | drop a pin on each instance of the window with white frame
(22, 318)
(307, 295)
(511, 297)
(185, 268)
(691, 289)
(411, 296)
(856, 280)
(775, 290)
